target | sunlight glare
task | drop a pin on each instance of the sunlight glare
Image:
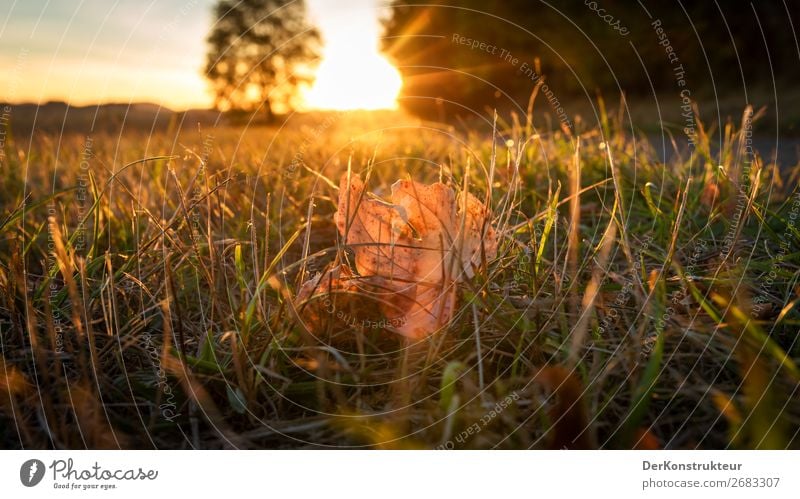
(347, 82)
(352, 74)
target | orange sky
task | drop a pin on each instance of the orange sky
(92, 51)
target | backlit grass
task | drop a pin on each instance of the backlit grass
(146, 285)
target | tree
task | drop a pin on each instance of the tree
(259, 52)
(459, 57)
(445, 78)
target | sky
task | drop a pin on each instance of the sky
(90, 51)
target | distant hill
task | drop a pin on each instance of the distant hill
(57, 116)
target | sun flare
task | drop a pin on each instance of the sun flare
(353, 74)
(346, 81)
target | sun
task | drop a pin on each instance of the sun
(353, 74)
(346, 80)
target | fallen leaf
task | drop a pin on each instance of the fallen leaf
(410, 253)
(646, 440)
(335, 296)
(571, 427)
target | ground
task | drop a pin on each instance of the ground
(148, 283)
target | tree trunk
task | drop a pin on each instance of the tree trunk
(268, 114)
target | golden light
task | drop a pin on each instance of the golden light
(352, 74)
(348, 82)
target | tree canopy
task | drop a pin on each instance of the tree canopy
(481, 55)
(259, 52)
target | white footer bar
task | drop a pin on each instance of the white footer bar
(399, 474)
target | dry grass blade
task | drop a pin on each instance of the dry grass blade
(581, 328)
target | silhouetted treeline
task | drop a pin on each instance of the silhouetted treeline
(482, 54)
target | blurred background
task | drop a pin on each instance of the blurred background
(445, 60)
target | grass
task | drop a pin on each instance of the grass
(147, 284)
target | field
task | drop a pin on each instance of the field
(148, 283)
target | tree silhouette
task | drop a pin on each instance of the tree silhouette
(473, 56)
(259, 52)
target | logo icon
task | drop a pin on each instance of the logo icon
(31, 472)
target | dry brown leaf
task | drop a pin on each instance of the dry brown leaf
(333, 296)
(414, 250)
(568, 413)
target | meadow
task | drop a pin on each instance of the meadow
(148, 283)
